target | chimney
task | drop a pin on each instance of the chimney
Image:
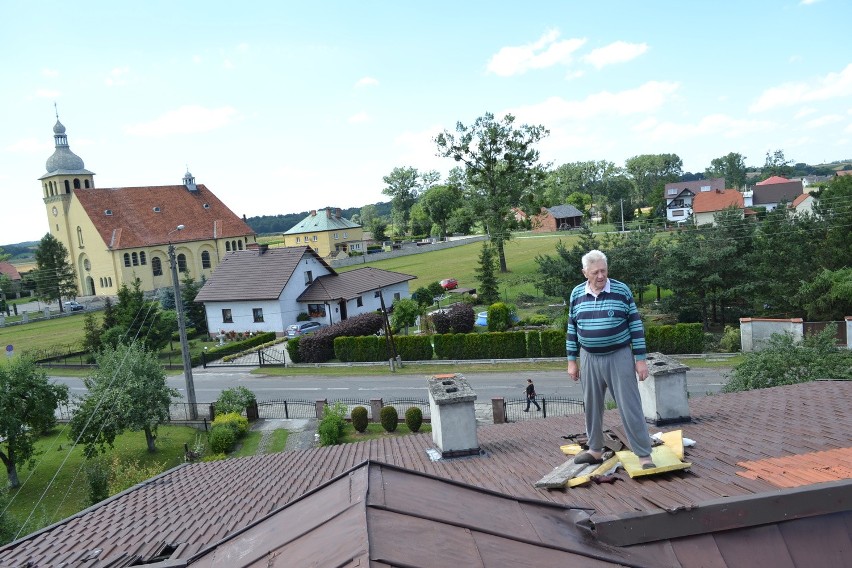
(664, 392)
(453, 415)
(313, 212)
(337, 213)
(262, 248)
(328, 212)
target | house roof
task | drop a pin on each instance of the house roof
(351, 284)
(564, 211)
(801, 199)
(147, 216)
(327, 219)
(257, 274)
(9, 270)
(773, 180)
(777, 192)
(717, 200)
(771, 472)
(694, 186)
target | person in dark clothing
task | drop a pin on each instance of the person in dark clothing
(531, 396)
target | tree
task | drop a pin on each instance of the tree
(28, 401)
(582, 178)
(4, 256)
(561, 273)
(731, 167)
(404, 315)
(91, 333)
(54, 275)
(631, 259)
(834, 208)
(419, 221)
(776, 165)
(487, 292)
(439, 203)
(193, 311)
(501, 166)
(652, 171)
(828, 297)
(404, 185)
(139, 320)
(127, 391)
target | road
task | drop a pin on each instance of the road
(210, 382)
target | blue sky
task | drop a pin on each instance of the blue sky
(282, 107)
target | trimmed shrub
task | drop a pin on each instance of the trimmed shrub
(731, 341)
(389, 418)
(331, 426)
(499, 317)
(533, 344)
(678, 338)
(538, 319)
(553, 343)
(234, 400)
(414, 347)
(238, 424)
(459, 318)
(221, 439)
(357, 349)
(414, 418)
(450, 345)
(319, 346)
(293, 349)
(218, 352)
(360, 418)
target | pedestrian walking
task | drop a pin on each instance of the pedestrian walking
(531, 396)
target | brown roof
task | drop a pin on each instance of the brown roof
(10, 271)
(772, 180)
(693, 186)
(256, 274)
(796, 202)
(709, 201)
(134, 222)
(777, 192)
(351, 284)
(733, 507)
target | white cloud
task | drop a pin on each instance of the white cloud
(28, 146)
(805, 111)
(50, 73)
(808, 2)
(546, 52)
(366, 82)
(719, 125)
(824, 120)
(617, 52)
(358, 118)
(197, 59)
(243, 47)
(190, 119)
(117, 77)
(645, 98)
(227, 63)
(47, 93)
(831, 86)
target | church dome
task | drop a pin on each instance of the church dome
(64, 159)
(58, 128)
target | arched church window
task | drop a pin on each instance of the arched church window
(156, 266)
(181, 260)
(67, 187)
(205, 259)
(86, 184)
(240, 243)
(135, 259)
(76, 183)
(227, 246)
(126, 259)
(79, 236)
(142, 260)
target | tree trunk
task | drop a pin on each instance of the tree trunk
(501, 255)
(11, 471)
(150, 438)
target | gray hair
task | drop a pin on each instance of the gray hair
(592, 257)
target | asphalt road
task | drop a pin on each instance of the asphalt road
(210, 382)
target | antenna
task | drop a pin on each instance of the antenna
(56, 110)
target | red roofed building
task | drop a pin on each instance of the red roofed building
(115, 235)
(773, 179)
(705, 205)
(9, 270)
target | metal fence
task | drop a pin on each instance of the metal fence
(550, 406)
(403, 404)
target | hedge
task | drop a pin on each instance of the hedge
(553, 343)
(673, 339)
(232, 347)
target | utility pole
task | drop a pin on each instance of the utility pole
(184, 344)
(622, 215)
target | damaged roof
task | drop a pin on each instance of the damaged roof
(769, 486)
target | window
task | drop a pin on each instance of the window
(135, 258)
(156, 209)
(102, 281)
(227, 246)
(157, 266)
(316, 310)
(298, 239)
(395, 296)
(240, 244)
(79, 236)
(86, 184)
(345, 234)
(205, 259)
(107, 212)
(335, 236)
(309, 277)
(87, 265)
(673, 191)
(359, 301)
(705, 188)
(314, 238)
(76, 183)
(258, 314)
(142, 259)
(181, 259)
(227, 317)
(126, 259)
(109, 280)
(678, 213)
(67, 187)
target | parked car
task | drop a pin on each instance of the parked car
(449, 283)
(73, 306)
(303, 328)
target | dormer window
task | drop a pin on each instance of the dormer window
(156, 209)
(107, 212)
(206, 206)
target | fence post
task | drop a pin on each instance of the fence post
(320, 407)
(544, 407)
(204, 359)
(376, 405)
(286, 412)
(498, 409)
(260, 357)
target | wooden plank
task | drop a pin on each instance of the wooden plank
(601, 469)
(558, 478)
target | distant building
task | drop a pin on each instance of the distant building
(327, 232)
(705, 205)
(116, 235)
(680, 195)
(557, 218)
(770, 192)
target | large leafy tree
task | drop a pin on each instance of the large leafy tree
(54, 274)
(776, 165)
(828, 297)
(28, 401)
(138, 320)
(501, 166)
(193, 311)
(732, 167)
(404, 186)
(127, 391)
(578, 178)
(651, 172)
(439, 203)
(560, 273)
(834, 208)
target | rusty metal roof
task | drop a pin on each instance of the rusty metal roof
(770, 478)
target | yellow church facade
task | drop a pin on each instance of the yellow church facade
(327, 232)
(116, 235)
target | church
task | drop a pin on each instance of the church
(116, 235)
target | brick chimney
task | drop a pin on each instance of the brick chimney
(262, 248)
(453, 415)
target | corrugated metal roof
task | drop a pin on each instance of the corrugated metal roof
(322, 220)
(196, 505)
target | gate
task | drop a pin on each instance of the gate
(814, 327)
(286, 409)
(269, 357)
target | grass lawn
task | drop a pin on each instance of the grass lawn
(46, 334)
(68, 492)
(375, 430)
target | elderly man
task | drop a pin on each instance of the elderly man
(605, 332)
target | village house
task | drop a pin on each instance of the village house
(773, 191)
(706, 204)
(327, 232)
(116, 235)
(557, 218)
(265, 289)
(680, 194)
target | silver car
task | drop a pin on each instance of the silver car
(303, 328)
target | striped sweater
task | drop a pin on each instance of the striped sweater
(604, 324)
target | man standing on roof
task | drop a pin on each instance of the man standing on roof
(605, 332)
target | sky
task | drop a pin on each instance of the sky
(282, 107)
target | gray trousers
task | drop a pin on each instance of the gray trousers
(617, 372)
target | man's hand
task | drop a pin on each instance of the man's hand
(642, 369)
(574, 371)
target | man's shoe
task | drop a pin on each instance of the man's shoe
(526, 410)
(586, 457)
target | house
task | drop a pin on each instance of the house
(804, 203)
(8, 269)
(116, 235)
(265, 289)
(770, 192)
(769, 485)
(680, 194)
(327, 232)
(706, 204)
(557, 218)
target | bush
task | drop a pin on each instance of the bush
(303, 316)
(538, 319)
(237, 423)
(234, 400)
(414, 418)
(414, 347)
(731, 342)
(499, 317)
(459, 318)
(319, 346)
(126, 474)
(553, 343)
(331, 426)
(97, 476)
(533, 344)
(389, 418)
(221, 439)
(678, 338)
(360, 419)
(293, 350)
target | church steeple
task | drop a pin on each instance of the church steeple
(65, 169)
